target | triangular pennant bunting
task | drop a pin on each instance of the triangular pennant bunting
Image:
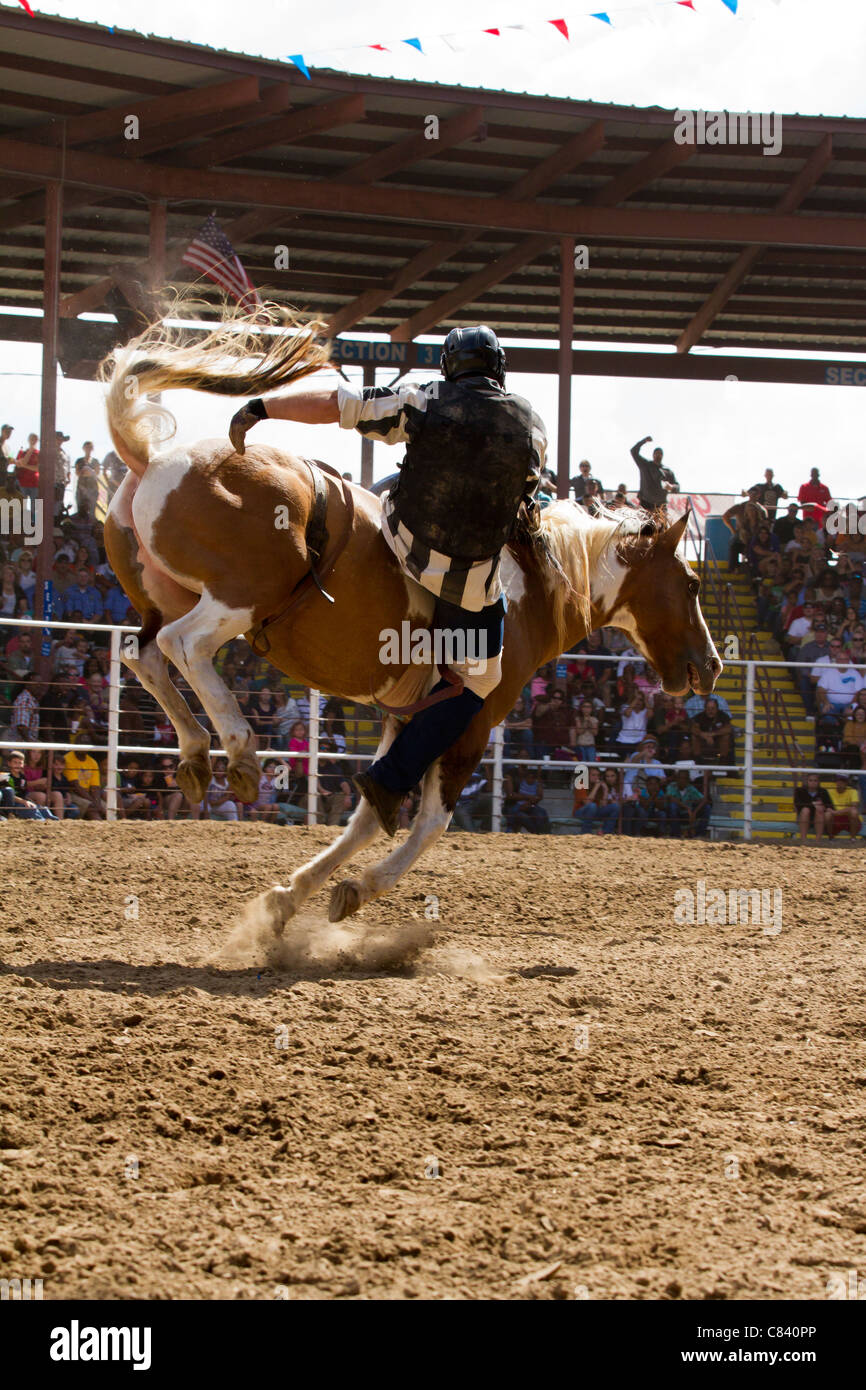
(731, 4)
(603, 16)
(561, 25)
(414, 43)
(298, 60)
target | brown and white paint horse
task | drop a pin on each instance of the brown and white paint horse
(191, 535)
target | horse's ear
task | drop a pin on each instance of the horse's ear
(670, 539)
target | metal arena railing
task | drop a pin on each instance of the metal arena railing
(751, 767)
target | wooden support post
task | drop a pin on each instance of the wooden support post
(48, 414)
(566, 332)
(367, 444)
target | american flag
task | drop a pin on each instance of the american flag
(211, 252)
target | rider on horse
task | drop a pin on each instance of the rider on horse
(474, 453)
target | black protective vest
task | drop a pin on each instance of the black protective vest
(466, 467)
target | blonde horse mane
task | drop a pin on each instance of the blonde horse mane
(236, 358)
(578, 544)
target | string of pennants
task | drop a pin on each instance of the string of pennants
(611, 19)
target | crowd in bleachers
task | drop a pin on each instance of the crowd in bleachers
(578, 711)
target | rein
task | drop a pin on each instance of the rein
(316, 536)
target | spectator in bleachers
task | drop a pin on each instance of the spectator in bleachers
(14, 800)
(517, 730)
(785, 525)
(580, 484)
(846, 808)
(854, 734)
(812, 805)
(763, 546)
(815, 652)
(19, 654)
(743, 520)
(25, 713)
(35, 773)
(265, 806)
(612, 800)
(590, 806)
(335, 789)
(27, 469)
(474, 803)
(222, 804)
(81, 772)
(526, 812)
(656, 481)
(262, 715)
(688, 808)
(553, 724)
(814, 497)
(712, 733)
(769, 493)
(8, 480)
(585, 732)
(285, 715)
(10, 592)
(837, 683)
(81, 602)
(300, 745)
(634, 716)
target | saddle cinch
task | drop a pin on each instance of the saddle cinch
(317, 536)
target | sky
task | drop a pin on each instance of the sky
(799, 56)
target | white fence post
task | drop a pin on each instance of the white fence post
(113, 726)
(313, 763)
(498, 742)
(749, 759)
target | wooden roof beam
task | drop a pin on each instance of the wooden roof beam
(169, 136)
(413, 148)
(282, 130)
(799, 188)
(622, 185)
(90, 77)
(107, 124)
(573, 153)
(555, 219)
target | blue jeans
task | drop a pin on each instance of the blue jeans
(585, 752)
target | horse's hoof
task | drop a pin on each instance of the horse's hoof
(278, 907)
(193, 777)
(243, 775)
(345, 901)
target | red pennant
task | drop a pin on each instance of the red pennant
(561, 25)
(493, 31)
(28, 9)
(381, 47)
(687, 4)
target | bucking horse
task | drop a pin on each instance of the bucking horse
(210, 545)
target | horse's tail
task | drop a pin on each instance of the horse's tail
(237, 358)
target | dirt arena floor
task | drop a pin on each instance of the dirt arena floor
(553, 1091)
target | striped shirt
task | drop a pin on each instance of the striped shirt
(388, 414)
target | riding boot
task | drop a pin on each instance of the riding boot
(424, 739)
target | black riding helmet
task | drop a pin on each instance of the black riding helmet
(472, 350)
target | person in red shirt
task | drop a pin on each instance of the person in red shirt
(814, 497)
(27, 468)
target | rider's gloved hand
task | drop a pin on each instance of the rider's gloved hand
(243, 420)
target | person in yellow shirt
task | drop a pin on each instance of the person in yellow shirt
(84, 782)
(846, 807)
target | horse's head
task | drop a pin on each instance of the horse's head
(657, 604)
